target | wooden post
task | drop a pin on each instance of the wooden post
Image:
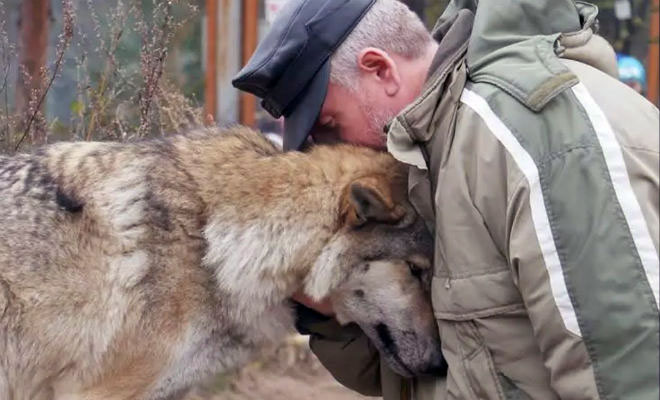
(229, 60)
(250, 32)
(652, 67)
(210, 75)
(32, 53)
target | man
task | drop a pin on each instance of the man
(537, 173)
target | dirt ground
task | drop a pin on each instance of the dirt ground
(290, 372)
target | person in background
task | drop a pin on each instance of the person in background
(632, 72)
(530, 162)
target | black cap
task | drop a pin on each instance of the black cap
(290, 70)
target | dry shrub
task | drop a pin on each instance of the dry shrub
(8, 121)
(116, 98)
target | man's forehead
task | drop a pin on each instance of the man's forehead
(328, 103)
(325, 111)
(332, 97)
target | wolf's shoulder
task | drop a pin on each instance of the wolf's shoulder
(23, 176)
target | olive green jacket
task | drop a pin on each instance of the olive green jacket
(538, 175)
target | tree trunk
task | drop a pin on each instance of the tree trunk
(32, 54)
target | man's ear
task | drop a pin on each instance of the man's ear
(370, 199)
(379, 64)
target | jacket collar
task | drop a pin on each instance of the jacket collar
(434, 108)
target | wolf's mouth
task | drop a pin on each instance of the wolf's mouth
(385, 337)
(391, 350)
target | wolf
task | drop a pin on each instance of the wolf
(135, 270)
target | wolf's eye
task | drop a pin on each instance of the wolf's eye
(415, 270)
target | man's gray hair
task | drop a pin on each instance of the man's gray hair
(390, 26)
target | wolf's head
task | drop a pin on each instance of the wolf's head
(376, 272)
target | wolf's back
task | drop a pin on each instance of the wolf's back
(28, 209)
(91, 234)
(68, 201)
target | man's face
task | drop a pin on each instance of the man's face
(356, 117)
(385, 84)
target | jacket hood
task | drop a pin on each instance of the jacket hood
(513, 44)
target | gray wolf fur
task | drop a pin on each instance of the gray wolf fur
(132, 271)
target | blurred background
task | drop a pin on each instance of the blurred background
(121, 69)
(126, 69)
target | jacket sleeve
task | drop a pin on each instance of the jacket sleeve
(345, 351)
(564, 353)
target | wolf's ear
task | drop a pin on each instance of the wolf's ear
(370, 199)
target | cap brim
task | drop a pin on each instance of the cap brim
(299, 123)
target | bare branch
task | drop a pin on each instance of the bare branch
(62, 45)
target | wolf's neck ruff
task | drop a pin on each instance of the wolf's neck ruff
(284, 191)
